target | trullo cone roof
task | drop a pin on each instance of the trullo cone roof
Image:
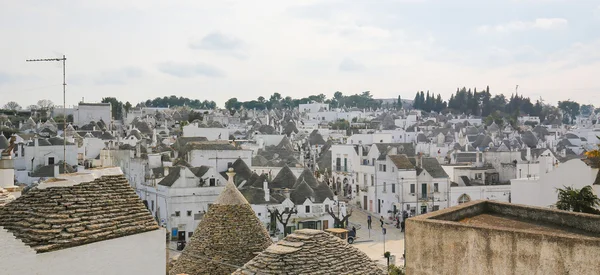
(308, 251)
(228, 236)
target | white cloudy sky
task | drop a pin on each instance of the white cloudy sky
(140, 49)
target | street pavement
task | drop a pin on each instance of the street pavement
(372, 242)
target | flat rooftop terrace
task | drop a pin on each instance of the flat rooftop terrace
(516, 217)
(510, 222)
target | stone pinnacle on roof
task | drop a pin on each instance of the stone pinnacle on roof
(231, 195)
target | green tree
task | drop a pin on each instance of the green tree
(233, 104)
(578, 200)
(127, 107)
(116, 107)
(570, 110)
(399, 103)
(13, 106)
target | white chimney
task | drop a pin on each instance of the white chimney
(266, 189)
(56, 170)
(477, 158)
(166, 171)
(528, 157)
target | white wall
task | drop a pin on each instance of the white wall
(40, 154)
(267, 140)
(84, 114)
(485, 192)
(192, 130)
(542, 191)
(312, 107)
(136, 254)
(218, 158)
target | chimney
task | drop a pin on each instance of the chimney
(166, 171)
(230, 175)
(528, 156)
(266, 189)
(56, 170)
(563, 153)
(138, 149)
(477, 158)
(286, 193)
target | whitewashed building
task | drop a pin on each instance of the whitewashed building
(179, 196)
(132, 243)
(85, 113)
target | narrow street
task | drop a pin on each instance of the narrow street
(372, 241)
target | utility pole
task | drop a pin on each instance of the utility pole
(63, 59)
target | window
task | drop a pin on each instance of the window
(177, 214)
(393, 188)
(464, 198)
(373, 162)
(51, 161)
(412, 188)
(190, 234)
(392, 168)
(384, 187)
(307, 209)
(372, 180)
(287, 209)
(152, 208)
(212, 182)
(436, 188)
(384, 167)
(436, 208)
(327, 208)
(478, 176)
(259, 214)
(189, 213)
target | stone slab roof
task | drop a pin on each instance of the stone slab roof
(308, 251)
(230, 234)
(56, 218)
(401, 162)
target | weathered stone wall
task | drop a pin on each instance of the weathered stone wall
(439, 246)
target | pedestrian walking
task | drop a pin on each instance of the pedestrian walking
(381, 220)
(369, 221)
(402, 226)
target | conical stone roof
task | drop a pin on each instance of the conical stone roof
(228, 236)
(284, 179)
(308, 251)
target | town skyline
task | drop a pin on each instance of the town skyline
(236, 49)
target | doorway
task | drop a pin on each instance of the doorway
(365, 202)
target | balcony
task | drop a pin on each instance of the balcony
(341, 168)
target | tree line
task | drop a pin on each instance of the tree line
(277, 101)
(174, 101)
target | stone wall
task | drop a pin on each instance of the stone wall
(436, 244)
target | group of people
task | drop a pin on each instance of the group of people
(398, 219)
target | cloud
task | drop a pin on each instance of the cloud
(349, 65)
(579, 54)
(187, 70)
(216, 41)
(118, 77)
(5, 78)
(538, 24)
